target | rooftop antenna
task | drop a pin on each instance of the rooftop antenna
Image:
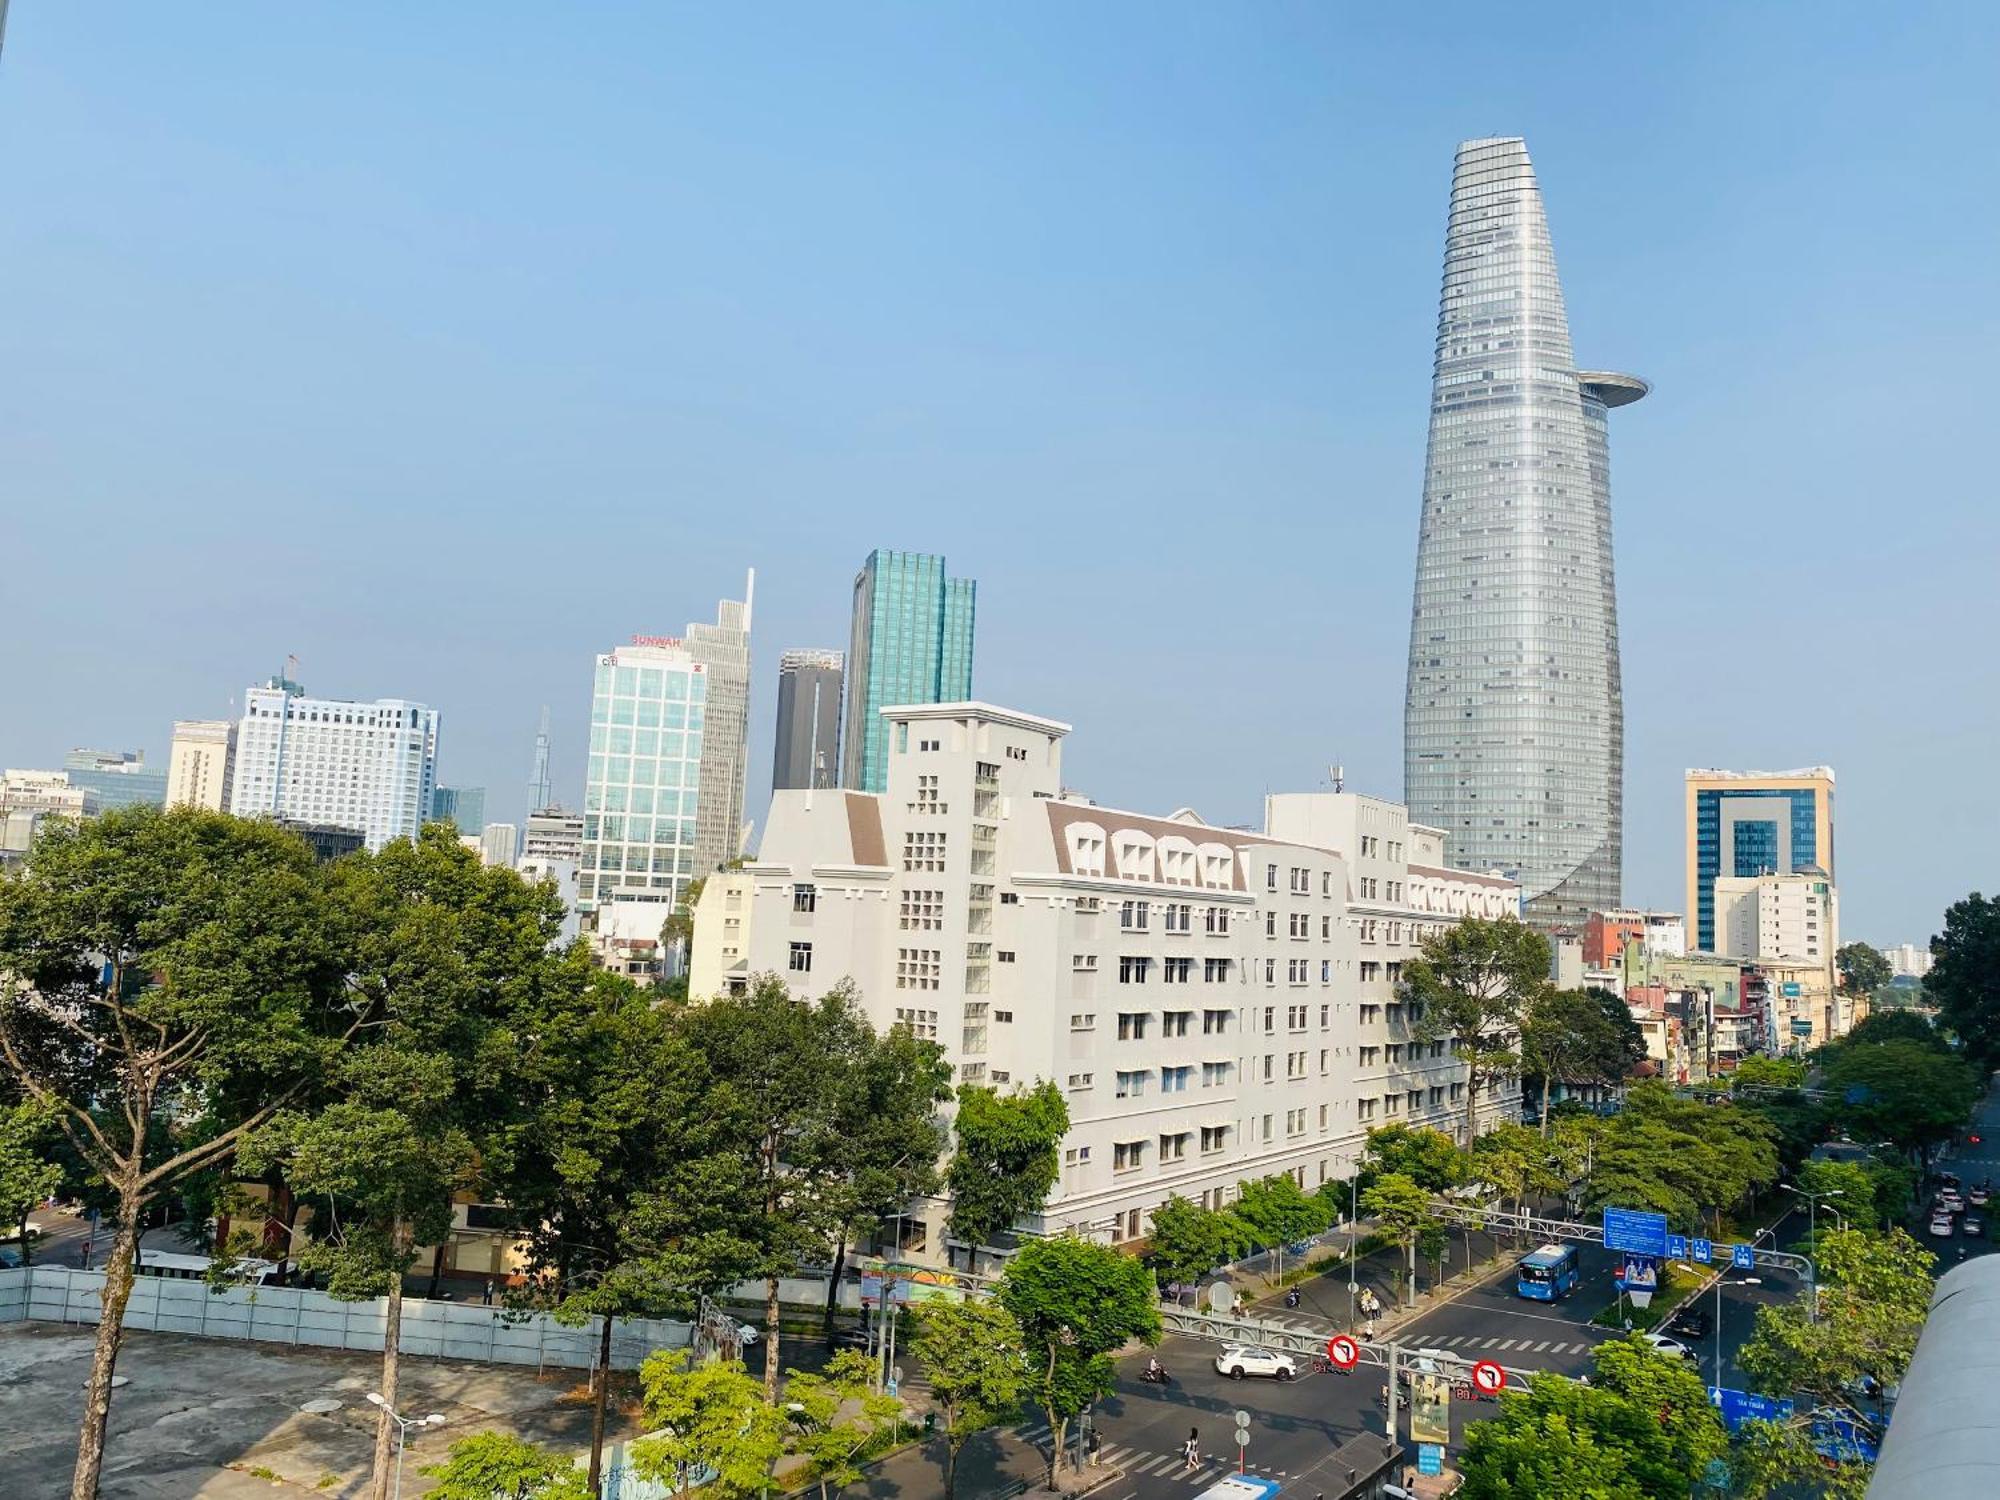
(1338, 776)
(538, 778)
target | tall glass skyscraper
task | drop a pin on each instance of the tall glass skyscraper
(1513, 722)
(911, 643)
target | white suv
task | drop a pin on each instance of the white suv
(1238, 1360)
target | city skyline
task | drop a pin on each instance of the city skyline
(1514, 717)
(1097, 340)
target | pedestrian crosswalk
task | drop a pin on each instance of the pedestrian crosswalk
(1169, 1466)
(1473, 1343)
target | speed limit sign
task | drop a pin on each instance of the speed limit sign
(1343, 1351)
(1488, 1378)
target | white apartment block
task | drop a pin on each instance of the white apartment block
(499, 844)
(200, 763)
(1217, 1005)
(1908, 961)
(367, 766)
(1778, 917)
(29, 797)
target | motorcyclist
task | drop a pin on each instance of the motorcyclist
(1154, 1370)
(1292, 1297)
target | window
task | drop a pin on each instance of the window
(1214, 1138)
(1132, 1085)
(801, 961)
(1177, 917)
(1215, 1075)
(1270, 971)
(1216, 920)
(1299, 924)
(1416, 1097)
(1267, 1127)
(1128, 1156)
(1004, 955)
(1214, 1022)
(930, 744)
(1132, 917)
(1392, 1104)
(1081, 1081)
(1270, 877)
(1325, 1016)
(1297, 970)
(1173, 1147)
(1089, 906)
(1295, 1122)
(1175, 1022)
(923, 851)
(1301, 881)
(1132, 1025)
(1457, 1092)
(805, 898)
(1295, 1064)
(922, 1023)
(1010, 898)
(1326, 882)
(1437, 1097)
(1371, 970)
(1002, 1017)
(1295, 1017)
(1270, 924)
(920, 910)
(1077, 1156)
(1176, 970)
(1132, 970)
(1365, 1108)
(1326, 927)
(1395, 1053)
(918, 968)
(1270, 1066)
(1082, 1020)
(1370, 1056)
(927, 796)
(1323, 1055)
(1270, 1019)
(1175, 1080)
(1370, 1014)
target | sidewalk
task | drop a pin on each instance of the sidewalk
(1325, 1304)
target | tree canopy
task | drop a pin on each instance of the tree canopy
(1863, 969)
(1188, 1241)
(1008, 1155)
(1964, 980)
(1874, 1296)
(1429, 1158)
(974, 1355)
(1470, 987)
(1911, 1093)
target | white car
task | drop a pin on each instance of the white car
(1951, 1202)
(1659, 1343)
(746, 1335)
(1942, 1224)
(1974, 1226)
(1238, 1360)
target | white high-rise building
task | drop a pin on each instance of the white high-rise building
(27, 798)
(498, 844)
(1908, 960)
(1778, 917)
(1216, 1005)
(200, 763)
(370, 767)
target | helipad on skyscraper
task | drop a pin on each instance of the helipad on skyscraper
(1513, 727)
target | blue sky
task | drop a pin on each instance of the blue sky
(446, 345)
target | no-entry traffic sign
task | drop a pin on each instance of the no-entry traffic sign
(1343, 1351)
(1488, 1378)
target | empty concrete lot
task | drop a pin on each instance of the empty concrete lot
(222, 1420)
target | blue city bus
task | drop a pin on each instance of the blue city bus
(1548, 1274)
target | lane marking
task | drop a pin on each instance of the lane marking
(1541, 1346)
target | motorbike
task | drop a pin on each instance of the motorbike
(1292, 1297)
(1156, 1376)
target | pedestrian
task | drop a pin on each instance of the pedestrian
(1191, 1450)
(1095, 1444)
(486, 1294)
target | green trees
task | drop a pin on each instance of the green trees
(973, 1353)
(168, 983)
(834, 1416)
(1643, 1431)
(1874, 1296)
(1471, 985)
(1911, 1093)
(711, 1419)
(1848, 1188)
(1964, 981)
(1863, 970)
(1277, 1211)
(1075, 1302)
(1578, 1037)
(499, 1466)
(27, 1176)
(1188, 1241)
(1404, 1210)
(1687, 1160)
(1429, 1158)
(1009, 1151)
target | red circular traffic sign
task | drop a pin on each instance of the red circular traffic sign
(1343, 1351)
(1488, 1378)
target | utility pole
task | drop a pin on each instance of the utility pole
(1395, 1357)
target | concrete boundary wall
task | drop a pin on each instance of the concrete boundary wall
(301, 1318)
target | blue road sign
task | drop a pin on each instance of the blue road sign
(1677, 1247)
(1430, 1458)
(1738, 1407)
(1702, 1250)
(1743, 1257)
(1635, 1230)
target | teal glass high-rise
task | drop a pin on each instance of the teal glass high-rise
(911, 643)
(1513, 724)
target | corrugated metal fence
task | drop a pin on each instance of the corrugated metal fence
(306, 1319)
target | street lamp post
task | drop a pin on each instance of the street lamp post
(403, 1426)
(1812, 1207)
(1746, 1281)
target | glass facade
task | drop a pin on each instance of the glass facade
(1785, 842)
(1513, 731)
(911, 643)
(642, 788)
